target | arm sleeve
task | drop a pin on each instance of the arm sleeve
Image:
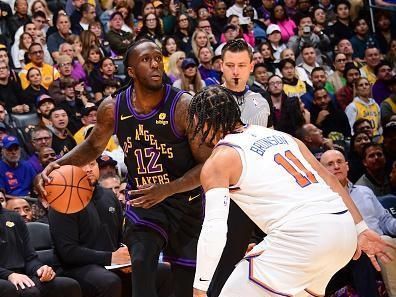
(213, 236)
(65, 233)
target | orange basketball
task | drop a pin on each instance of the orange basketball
(69, 190)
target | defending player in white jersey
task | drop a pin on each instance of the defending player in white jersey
(313, 227)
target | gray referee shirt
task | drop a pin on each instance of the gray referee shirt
(255, 109)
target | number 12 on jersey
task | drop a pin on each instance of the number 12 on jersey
(289, 162)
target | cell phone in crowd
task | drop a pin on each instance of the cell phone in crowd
(307, 30)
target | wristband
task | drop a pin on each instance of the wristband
(361, 226)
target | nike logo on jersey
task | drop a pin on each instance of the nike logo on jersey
(125, 117)
(192, 198)
(203, 280)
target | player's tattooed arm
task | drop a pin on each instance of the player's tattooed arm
(96, 142)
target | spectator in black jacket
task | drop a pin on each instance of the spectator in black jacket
(88, 240)
(21, 272)
(326, 117)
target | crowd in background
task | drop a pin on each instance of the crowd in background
(328, 78)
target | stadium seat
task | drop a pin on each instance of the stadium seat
(389, 203)
(40, 238)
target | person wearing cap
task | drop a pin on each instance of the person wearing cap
(17, 175)
(388, 106)
(118, 39)
(190, 79)
(107, 165)
(230, 32)
(44, 105)
(275, 38)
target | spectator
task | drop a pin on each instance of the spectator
(175, 62)
(326, 117)
(41, 6)
(73, 104)
(381, 89)
(199, 40)
(110, 181)
(230, 33)
(25, 42)
(267, 53)
(287, 116)
(256, 25)
(46, 155)
(344, 46)
(169, 46)
(2, 199)
(261, 76)
(257, 58)
(286, 25)
(265, 11)
(63, 26)
(219, 19)
(305, 35)
(10, 90)
(106, 71)
(22, 207)
(48, 72)
(384, 30)
(372, 57)
(375, 178)
(20, 17)
(275, 38)
(388, 106)
(389, 145)
(183, 32)
(205, 56)
(355, 156)
(362, 38)
(118, 39)
(21, 272)
(336, 80)
(41, 137)
(74, 51)
(342, 28)
(292, 86)
(313, 138)
(151, 29)
(391, 55)
(44, 105)
(205, 25)
(309, 62)
(35, 89)
(65, 71)
(92, 59)
(190, 79)
(3, 130)
(237, 9)
(246, 35)
(18, 175)
(345, 95)
(88, 15)
(377, 218)
(62, 140)
(364, 106)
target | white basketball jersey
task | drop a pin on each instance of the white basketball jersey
(277, 184)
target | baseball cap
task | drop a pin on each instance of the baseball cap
(42, 99)
(105, 160)
(188, 62)
(116, 13)
(229, 26)
(9, 141)
(157, 3)
(272, 28)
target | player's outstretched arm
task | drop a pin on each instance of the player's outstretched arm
(89, 149)
(223, 168)
(368, 240)
(153, 194)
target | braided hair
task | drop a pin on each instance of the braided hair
(213, 109)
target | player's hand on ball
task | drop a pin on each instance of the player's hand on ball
(46, 273)
(149, 195)
(371, 243)
(43, 178)
(199, 293)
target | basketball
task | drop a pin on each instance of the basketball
(69, 190)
